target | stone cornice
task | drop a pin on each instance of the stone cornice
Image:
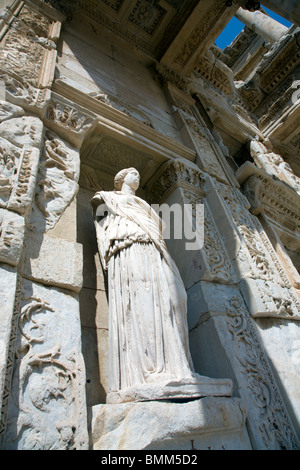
(273, 198)
(109, 116)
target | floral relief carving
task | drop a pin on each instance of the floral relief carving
(46, 378)
(217, 260)
(57, 182)
(258, 261)
(268, 419)
(28, 50)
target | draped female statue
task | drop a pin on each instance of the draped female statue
(149, 355)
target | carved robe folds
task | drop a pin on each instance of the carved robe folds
(148, 343)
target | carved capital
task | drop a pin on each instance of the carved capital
(172, 175)
(66, 119)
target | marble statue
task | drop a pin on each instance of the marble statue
(149, 355)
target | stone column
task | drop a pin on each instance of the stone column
(288, 9)
(262, 24)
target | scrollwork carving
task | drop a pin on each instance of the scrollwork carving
(268, 418)
(46, 378)
(217, 261)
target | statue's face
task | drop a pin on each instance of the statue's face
(132, 179)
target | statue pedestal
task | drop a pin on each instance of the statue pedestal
(187, 388)
(214, 423)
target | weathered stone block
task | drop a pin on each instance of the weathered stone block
(11, 237)
(54, 261)
(215, 423)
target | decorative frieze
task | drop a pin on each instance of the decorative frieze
(194, 129)
(278, 200)
(216, 72)
(278, 62)
(258, 265)
(17, 181)
(253, 260)
(187, 55)
(9, 292)
(220, 324)
(217, 265)
(268, 299)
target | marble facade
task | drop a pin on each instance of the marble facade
(87, 89)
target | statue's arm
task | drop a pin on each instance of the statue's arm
(96, 201)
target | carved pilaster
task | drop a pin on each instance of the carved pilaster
(180, 183)
(210, 157)
(221, 308)
(48, 378)
(267, 290)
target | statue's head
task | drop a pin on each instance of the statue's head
(130, 176)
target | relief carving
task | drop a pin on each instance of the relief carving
(73, 123)
(273, 164)
(216, 258)
(47, 376)
(22, 94)
(198, 34)
(19, 155)
(27, 48)
(11, 237)
(22, 55)
(9, 159)
(259, 265)
(204, 143)
(268, 419)
(175, 173)
(57, 182)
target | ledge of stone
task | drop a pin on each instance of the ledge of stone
(209, 423)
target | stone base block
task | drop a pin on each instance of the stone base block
(214, 423)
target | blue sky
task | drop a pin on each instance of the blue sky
(235, 26)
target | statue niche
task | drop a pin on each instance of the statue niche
(149, 357)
